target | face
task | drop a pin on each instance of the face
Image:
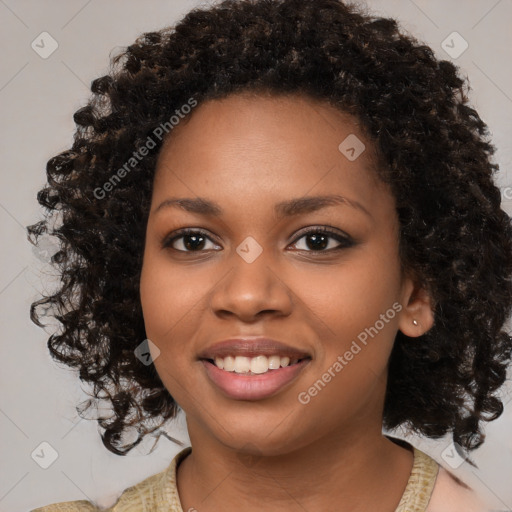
(256, 269)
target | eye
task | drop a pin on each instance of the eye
(190, 240)
(318, 240)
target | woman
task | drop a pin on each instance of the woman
(280, 217)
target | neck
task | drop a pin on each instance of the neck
(357, 472)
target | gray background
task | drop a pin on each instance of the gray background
(38, 97)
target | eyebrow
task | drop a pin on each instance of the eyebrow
(292, 207)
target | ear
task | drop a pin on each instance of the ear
(416, 305)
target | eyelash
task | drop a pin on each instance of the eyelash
(345, 241)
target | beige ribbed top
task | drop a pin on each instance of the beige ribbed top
(158, 493)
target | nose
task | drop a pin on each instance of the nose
(250, 290)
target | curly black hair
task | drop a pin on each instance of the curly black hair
(433, 150)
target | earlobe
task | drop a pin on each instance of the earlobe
(417, 315)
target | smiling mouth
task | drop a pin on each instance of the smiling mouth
(258, 365)
(246, 384)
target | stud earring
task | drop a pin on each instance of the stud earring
(415, 322)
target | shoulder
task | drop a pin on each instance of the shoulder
(154, 493)
(68, 506)
(450, 494)
(143, 494)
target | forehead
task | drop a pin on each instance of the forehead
(256, 116)
(249, 144)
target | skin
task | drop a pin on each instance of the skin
(246, 153)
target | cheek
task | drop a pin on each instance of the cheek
(355, 312)
(168, 301)
(168, 297)
(354, 303)
(354, 291)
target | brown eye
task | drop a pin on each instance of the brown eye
(188, 240)
(320, 240)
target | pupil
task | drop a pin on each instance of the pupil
(193, 245)
(316, 238)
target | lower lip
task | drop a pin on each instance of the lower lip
(253, 387)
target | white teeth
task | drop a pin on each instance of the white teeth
(229, 364)
(258, 364)
(274, 362)
(242, 364)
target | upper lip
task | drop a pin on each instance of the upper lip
(252, 347)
